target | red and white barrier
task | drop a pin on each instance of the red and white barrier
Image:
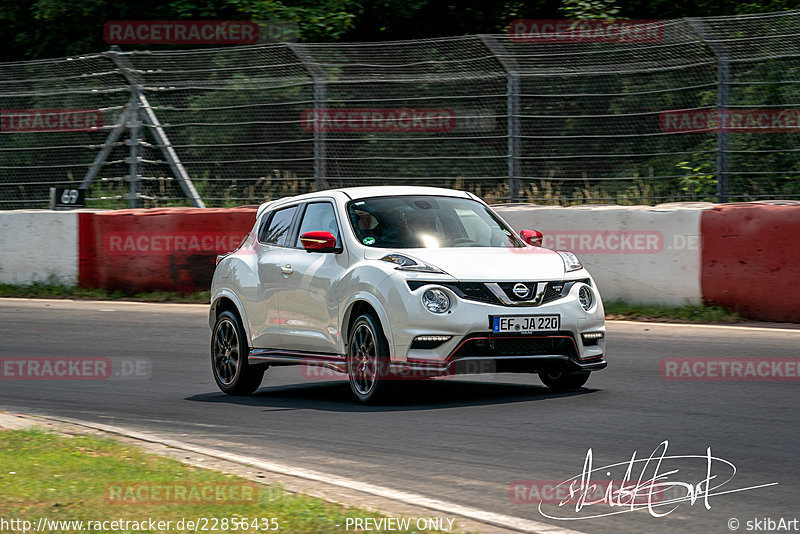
(639, 254)
(742, 256)
(751, 259)
(167, 249)
(38, 246)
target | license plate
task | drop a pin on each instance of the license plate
(525, 323)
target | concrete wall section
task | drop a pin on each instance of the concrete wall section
(639, 254)
(748, 258)
(38, 246)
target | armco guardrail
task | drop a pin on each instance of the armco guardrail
(744, 256)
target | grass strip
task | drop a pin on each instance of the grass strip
(690, 313)
(50, 290)
(88, 478)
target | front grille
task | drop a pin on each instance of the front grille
(554, 291)
(466, 290)
(482, 345)
(475, 291)
(478, 291)
(508, 289)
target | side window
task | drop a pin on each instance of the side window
(319, 216)
(279, 227)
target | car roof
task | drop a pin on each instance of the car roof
(399, 190)
(355, 193)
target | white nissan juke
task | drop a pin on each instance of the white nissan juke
(394, 283)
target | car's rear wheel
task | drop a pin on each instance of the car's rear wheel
(368, 360)
(564, 380)
(229, 350)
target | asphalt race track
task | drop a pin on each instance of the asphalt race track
(461, 440)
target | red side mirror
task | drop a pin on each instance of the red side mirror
(318, 241)
(532, 237)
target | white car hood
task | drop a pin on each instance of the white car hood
(483, 264)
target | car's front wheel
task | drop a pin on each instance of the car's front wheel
(229, 350)
(563, 380)
(368, 360)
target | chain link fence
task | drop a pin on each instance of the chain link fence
(509, 119)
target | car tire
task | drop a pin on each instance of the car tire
(368, 361)
(563, 380)
(229, 351)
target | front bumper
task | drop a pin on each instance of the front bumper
(499, 364)
(474, 348)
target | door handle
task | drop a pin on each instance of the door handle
(287, 269)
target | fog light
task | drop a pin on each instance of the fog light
(431, 338)
(591, 338)
(436, 300)
(586, 297)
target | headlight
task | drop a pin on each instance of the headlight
(571, 261)
(407, 263)
(436, 300)
(586, 297)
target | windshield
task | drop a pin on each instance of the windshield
(427, 222)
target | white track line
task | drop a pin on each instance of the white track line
(491, 518)
(106, 302)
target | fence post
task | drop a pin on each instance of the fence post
(318, 79)
(133, 123)
(145, 110)
(723, 104)
(723, 153)
(101, 157)
(320, 156)
(513, 109)
(512, 114)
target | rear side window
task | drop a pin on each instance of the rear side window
(277, 231)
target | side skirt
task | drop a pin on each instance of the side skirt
(336, 362)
